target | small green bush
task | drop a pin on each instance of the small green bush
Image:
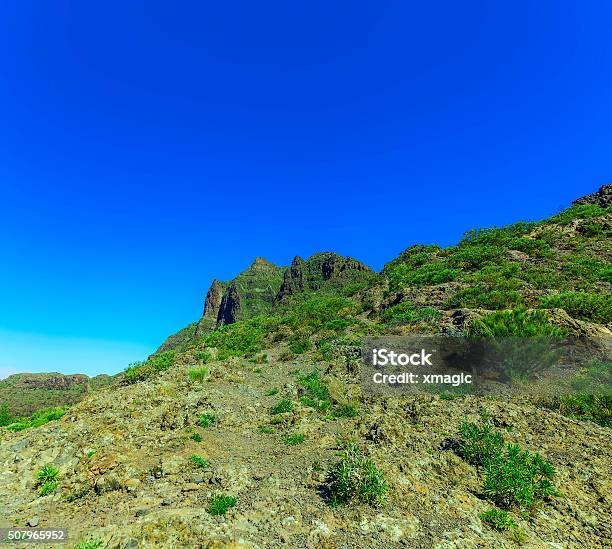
(316, 391)
(431, 273)
(220, 504)
(485, 297)
(579, 211)
(406, 312)
(199, 461)
(42, 417)
(5, 416)
(47, 480)
(299, 343)
(356, 477)
(582, 305)
(206, 420)
(281, 407)
(512, 476)
(265, 429)
(346, 410)
(475, 256)
(271, 392)
(241, 339)
(498, 519)
(197, 437)
(515, 323)
(139, 371)
(292, 440)
(91, 544)
(319, 312)
(198, 374)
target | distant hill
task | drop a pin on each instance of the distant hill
(25, 394)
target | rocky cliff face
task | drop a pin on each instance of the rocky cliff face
(212, 306)
(231, 308)
(318, 271)
(602, 198)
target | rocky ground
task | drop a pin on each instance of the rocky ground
(126, 478)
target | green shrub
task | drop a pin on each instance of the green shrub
(316, 391)
(586, 268)
(512, 476)
(582, 305)
(271, 392)
(91, 544)
(292, 440)
(498, 519)
(242, 339)
(586, 407)
(139, 371)
(281, 407)
(432, 273)
(515, 323)
(406, 312)
(356, 477)
(196, 437)
(42, 417)
(199, 461)
(479, 444)
(220, 504)
(475, 256)
(346, 410)
(592, 399)
(485, 297)
(206, 420)
(5, 416)
(265, 429)
(299, 343)
(322, 312)
(47, 480)
(198, 374)
(579, 211)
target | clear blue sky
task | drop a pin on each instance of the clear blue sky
(147, 147)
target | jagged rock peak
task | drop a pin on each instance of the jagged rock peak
(317, 270)
(602, 197)
(212, 304)
(262, 262)
(230, 309)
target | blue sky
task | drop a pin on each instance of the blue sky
(147, 147)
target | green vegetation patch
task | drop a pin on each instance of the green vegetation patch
(281, 407)
(199, 461)
(579, 211)
(37, 419)
(293, 439)
(206, 420)
(198, 374)
(139, 371)
(241, 339)
(47, 480)
(518, 322)
(405, 312)
(582, 305)
(220, 504)
(316, 391)
(355, 477)
(512, 476)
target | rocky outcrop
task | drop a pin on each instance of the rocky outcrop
(212, 306)
(601, 198)
(293, 279)
(319, 270)
(231, 308)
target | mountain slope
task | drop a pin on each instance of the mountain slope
(269, 401)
